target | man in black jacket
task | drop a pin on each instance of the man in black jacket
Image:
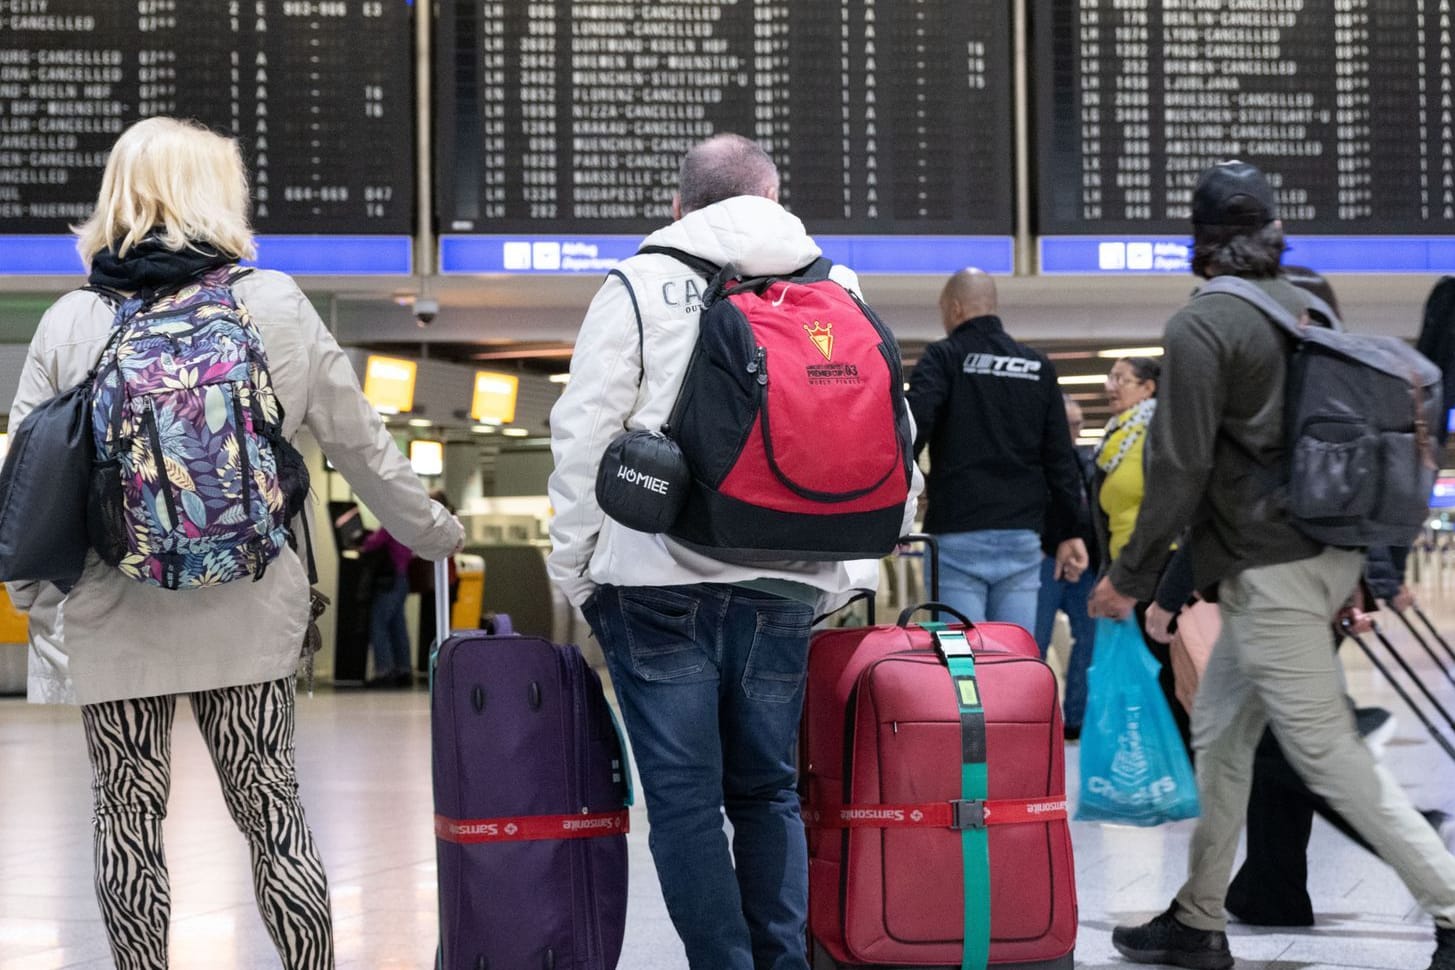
(1217, 461)
(991, 412)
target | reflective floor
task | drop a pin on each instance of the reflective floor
(364, 763)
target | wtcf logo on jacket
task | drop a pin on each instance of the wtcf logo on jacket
(993, 365)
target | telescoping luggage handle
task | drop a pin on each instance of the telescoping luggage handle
(932, 578)
(442, 600)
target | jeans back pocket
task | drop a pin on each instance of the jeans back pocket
(661, 628)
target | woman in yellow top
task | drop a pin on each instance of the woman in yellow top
(1131, 387)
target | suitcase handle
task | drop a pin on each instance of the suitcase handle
(932, 554)
(442, 600)
(865, 596)
(936, 608)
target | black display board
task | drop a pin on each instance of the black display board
(318, 93)
(1347, 104)
(885, 116)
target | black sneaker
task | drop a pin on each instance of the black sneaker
(1169, 941)
(1444, 958)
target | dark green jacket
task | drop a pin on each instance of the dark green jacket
(1216, 447)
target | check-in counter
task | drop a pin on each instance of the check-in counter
(14, 640)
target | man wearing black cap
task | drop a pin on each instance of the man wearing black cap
(1217, 462)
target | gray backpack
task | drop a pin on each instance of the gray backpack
(1361, 417)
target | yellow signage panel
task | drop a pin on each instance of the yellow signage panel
(494, 400)
(389, 383)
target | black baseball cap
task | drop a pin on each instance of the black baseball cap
(1233, 194)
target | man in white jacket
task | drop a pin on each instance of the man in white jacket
(708, 658)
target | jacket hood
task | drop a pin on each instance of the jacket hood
(755, 234)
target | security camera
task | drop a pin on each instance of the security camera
(425, 310)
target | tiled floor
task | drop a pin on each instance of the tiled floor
(364, 761)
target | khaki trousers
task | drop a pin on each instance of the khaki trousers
(1273, 666)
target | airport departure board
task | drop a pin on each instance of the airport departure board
(884, 116)
(318, 93)
(1348, 105)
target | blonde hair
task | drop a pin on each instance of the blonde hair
(176, 179)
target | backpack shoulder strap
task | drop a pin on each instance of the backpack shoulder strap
(1251, 293)
(637, 312)
(112, 298)
(705, 267)
(816, 271)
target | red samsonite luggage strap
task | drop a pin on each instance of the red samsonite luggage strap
(532, 828)
(956, 815)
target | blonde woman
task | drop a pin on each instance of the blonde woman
(174, 203)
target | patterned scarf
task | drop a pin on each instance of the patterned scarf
(1122, 434)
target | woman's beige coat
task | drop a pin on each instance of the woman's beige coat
(113, 637)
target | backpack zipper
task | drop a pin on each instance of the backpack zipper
(759, 365)
(164, 481)
(242, 451)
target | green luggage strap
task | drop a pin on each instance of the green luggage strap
(969, 811)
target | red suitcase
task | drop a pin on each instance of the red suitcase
(881, 750)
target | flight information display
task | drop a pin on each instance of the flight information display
(1346, 104)
(884, 116)
(319, 94)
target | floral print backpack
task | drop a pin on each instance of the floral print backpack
(194, 484)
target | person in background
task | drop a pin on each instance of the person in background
(1212, 456)
(1003, 473)
(1119, 487)
(1437, 342)
(388, 629)
(1071, 596)
(173, 203)
(708, 658)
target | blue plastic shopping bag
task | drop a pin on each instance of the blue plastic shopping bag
(1134, 769)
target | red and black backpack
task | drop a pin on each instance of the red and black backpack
(792, 420)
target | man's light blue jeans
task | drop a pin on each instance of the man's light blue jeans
(992, 574)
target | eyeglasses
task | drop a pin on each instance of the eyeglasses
(1123, 380)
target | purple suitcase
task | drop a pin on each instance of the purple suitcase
(530, 789)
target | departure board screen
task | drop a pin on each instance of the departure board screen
(1346, 104)
(317, 92)
(884, 116)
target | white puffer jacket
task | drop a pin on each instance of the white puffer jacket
(604, 398)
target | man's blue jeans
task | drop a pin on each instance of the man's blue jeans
(992, 574)
(710, 681)
(1058, 594)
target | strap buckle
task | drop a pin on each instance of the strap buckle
(952, 644)
(967, 813)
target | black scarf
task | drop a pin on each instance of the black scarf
(150, 266)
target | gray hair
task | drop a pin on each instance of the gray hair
(722, 167)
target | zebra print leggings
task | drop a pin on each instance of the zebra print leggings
(249, 732)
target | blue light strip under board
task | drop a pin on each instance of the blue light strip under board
(1159, 255)
(598, 254)
(295, 255)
